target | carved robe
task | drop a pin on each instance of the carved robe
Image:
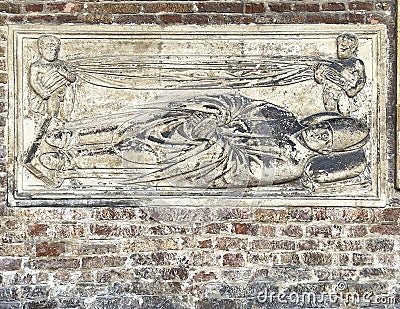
(214, 141)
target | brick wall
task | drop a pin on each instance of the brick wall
(199, 257)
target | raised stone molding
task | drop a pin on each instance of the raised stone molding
(188, 115)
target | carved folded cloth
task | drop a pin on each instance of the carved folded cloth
(187, 72)
(211, 141)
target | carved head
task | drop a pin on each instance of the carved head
(347, 44)
(348, 134)
(49, 47)
(318, 137)
(331, 132)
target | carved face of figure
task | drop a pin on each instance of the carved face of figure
(346, 47)
(49, 50)
(318, 137)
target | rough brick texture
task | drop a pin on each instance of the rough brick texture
(220, 258)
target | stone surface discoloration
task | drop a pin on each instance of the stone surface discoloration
(196, 234)
(182, 112)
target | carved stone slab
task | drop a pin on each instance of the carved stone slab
(232, 115)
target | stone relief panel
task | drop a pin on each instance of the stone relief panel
(268, 115)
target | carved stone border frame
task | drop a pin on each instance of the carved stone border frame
(379, 198)
(397, 173)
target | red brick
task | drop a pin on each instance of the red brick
(216, 228)
(135, 19)
(12, 224)
(292, 231)
(376, 19)
(386, 215)
(68, 231)
(326, 18)
(342, 244)
(387, 259)
(112, 230)
(169, 7)
(35, 7)
(163, 258)
(245, 228)
(170, 19)
(114, 8)
(73, 7)
(220, 7)
(114, 213)
(205, 243)
(364, 6)
(319, 231)
(156, 258)
(266, 244)
(356, 215)
(12, 19)
(379, 245)
(202, 258)
(306, 245)
(197, 19)
(40, 18)
(235, 213)
(97, 18)
(356, 18)
(386, 229)
(266, 230)
(263, 258)
(230, 243)
(50, 249)
(317, 258)
(271, 215)
(221, 19)
(155, 244)
(290, 258)
(390, 214)
(252, 8)
(55, 264)
(66, 18)
(233, 259)
(333, 6)
(204, 276)
(63, 276)
(232, 275)
(168, 230)
(8, 264)
(101, 230)
(112, 275)
(104, 261)
(306, 7)
(331, 214)
(97, 249)
(361, 259)
(10, 7)
(326, 231)
(55, 7)
(176, 273)
(301, 214)
(356, 231)
(280, 7)
(150, 272)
